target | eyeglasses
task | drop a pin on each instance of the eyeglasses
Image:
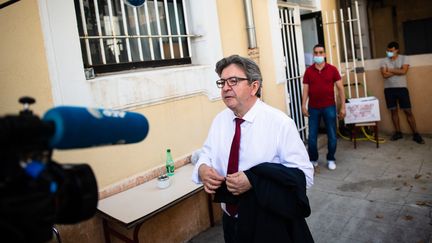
(231, 81)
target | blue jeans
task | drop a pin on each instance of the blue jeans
(329, 116)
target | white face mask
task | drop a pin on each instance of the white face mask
(390, 54)
(318, 59)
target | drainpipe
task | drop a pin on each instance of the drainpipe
(250, 26)
(253, 51)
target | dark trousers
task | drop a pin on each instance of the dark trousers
(229, 225)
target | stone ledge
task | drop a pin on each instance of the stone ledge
(139, 179)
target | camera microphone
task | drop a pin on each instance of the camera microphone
(80, 127)
(37, 192)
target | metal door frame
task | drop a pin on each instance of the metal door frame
(292, 43)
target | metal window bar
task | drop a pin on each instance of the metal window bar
(178, 29)
(130, 17)
(111, 20)
(169, 29)
(149, 31)
(185, 16)
(138, 33)
(347, 72)
(126, 32)
(361, 47)
(350, 20)
(156, 9)
(83, 21)
(101, 44)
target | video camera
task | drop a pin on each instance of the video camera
(35, 191)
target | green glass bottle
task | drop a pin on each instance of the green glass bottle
(169, 163)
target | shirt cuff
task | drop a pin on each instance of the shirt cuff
(195, 175)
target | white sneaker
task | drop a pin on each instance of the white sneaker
(331, 165)
(315, 163)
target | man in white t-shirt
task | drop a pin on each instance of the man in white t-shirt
(394, 69)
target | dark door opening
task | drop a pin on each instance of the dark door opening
(312, 31)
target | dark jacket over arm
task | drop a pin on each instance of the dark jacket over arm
(275, 208)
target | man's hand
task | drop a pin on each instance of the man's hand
(342, 113)
(388, 73)
(238, 183)
(385, 72)
(210, 178)
(305, 111)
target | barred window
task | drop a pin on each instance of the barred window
(115, 36)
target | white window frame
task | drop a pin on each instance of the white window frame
(131, 88)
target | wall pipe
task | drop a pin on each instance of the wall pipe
(250, 26)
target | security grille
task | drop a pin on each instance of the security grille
(294, 63)
(115, 36)
(352, 71)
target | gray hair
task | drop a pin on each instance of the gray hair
(250, 68)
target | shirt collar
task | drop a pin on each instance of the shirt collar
(325, 66)
(252, 113)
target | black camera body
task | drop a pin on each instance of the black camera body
(35, 191)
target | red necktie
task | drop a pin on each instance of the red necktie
(234, 160)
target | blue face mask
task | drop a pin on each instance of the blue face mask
(318, 59)
(390, 54)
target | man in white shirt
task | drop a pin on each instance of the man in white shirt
(267, 135)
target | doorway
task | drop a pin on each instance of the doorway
(312, 31)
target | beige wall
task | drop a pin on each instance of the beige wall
(419, 80)
(234, 41)
(273, 93)
(232, 27)
(23, 65)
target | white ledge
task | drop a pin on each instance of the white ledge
(152, 86)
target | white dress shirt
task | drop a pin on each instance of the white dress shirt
(267, 135)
